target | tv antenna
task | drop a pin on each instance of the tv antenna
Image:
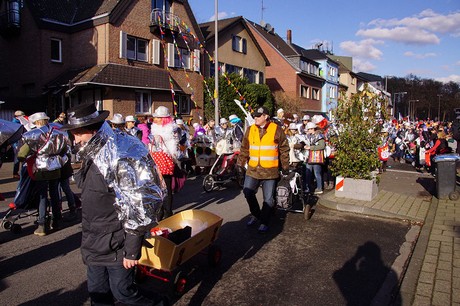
(262, 8)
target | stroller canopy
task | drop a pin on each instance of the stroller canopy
(10, 132)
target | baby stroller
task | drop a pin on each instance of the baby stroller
(290, 195)
(205, 155)
(25, 201)
(224, 169)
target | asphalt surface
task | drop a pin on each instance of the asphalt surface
(336, 258)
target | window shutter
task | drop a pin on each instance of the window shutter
(170, 55)
(155, 52)
(123, 38)
(244, 45)
(196, 60)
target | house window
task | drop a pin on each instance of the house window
(315, 94)
(239, 44)
(161, 5)
(136, 48)
(304, 91)
(143, 102)
(232, 69)
(260, 78)
(56, 50)
(250, 75)
(183, 104)
(182, 58)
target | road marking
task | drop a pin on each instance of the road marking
(404, 171)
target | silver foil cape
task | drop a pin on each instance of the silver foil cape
(51, 145)
(127, 167)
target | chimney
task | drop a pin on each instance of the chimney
(289, 36)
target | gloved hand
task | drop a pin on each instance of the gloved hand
(285, 171)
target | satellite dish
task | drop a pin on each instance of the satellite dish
(268, 27)
(262, 23)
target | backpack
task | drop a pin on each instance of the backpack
(284, 196)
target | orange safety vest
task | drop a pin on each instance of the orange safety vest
(263, 151)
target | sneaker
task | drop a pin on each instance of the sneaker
(263, 229)
(318, 192)
(252, 221)
(40, 231)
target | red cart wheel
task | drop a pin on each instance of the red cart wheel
(214, 255)
(180, 283)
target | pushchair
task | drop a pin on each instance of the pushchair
(25, 202)
(290, 195)
(224, 169)
(205, 154)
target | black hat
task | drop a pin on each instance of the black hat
(261, 110)
(83, 115)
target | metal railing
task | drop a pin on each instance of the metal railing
(165, 19)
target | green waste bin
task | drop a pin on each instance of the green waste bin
(446, 176)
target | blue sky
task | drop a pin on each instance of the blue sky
(387, 38)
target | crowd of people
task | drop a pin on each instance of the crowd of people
(128, 164)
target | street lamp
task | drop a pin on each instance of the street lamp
(412, 108)
(396, 94)
(439, 107)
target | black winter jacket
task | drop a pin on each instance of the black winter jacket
(104, 241)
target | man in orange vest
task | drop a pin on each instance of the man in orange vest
(266, 150)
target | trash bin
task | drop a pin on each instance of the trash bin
(446, 179)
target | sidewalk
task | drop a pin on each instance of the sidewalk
(428, 267)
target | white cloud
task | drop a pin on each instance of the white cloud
(401, 34)
(457, 63)
(418, 55)
(220, 15)
(418, 29)
(451, 78)
(363, 49)
(360, 65)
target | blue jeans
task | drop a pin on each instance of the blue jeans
(65, 186)
(53, 186)
(108, 282)
(251, 185)
(42, 188)
(315, 169)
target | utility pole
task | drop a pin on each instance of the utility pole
(439, 107)
(216, 64)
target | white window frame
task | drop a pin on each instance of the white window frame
(124, 47)
(59, 41)
(315, 94)
(156, 52)
(184, 104)
(139, 104)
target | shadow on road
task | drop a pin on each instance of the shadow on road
(75, 297)
(39, 255)
(361, 277)
(429, 184)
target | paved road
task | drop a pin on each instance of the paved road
(336, 258)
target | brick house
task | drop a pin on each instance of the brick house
(238, 49)
(290, 71)
(128, 56)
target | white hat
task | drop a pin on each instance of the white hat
(232, 117)
(161, 112)
(310, 125)
(222, 121)
(295, 116)
(317, 119)
(280, 111)
(293, 126)
(130, 119)
(38, 116)
(195, 125)
(179, 121)
(305, 118)
(117, 119)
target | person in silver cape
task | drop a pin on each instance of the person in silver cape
(122, 194)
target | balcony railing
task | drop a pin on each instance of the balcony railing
(165, 19)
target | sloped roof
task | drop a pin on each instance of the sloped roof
(274, 39)
(70, 11)
(118, 76)
(370, 77)
(208, 30)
